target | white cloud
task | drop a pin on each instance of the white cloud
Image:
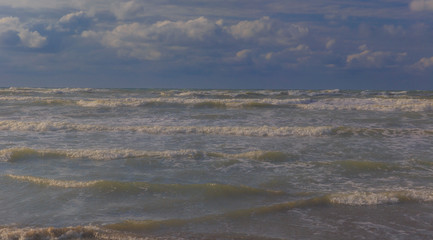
(75, 21)
(148, 42)
(266, 30)
(300, 48)
(393, 30)
(363, 47)
(72, 17)
(124, 10)
(31, 39)
(28, 38)
(330, 43)
(423, 64)
(421, 5)
(371, 59)
(164, 38)
(291, 57)
(243, 54)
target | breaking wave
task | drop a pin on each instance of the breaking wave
(330, 100)
(263, 131)
(377, 132)
(360, 198)
(16, 154)
(27, 90)
(88, 232)
(104, 233)
(53, 182)
(370, 104)
(210, 190)
(143, 102)
(351, 199)
(259, 131)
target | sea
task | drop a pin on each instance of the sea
(81, 163)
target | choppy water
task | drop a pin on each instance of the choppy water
(215, 164)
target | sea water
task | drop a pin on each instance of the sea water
(215, 164)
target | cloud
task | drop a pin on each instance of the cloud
(243, 54)
(266, 30)
(125, 10)
(200, 36)
(423, 64)
(421, 5)
(330, 43)
(12, 25)
(300, 48)
(373, 59)
(148, 42)
(291, 57)
(393, 30)
(75, 21)
(71, 17)
(165, 38)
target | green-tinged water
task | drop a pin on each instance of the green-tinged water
(215, 164)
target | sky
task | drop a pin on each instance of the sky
(241, 44)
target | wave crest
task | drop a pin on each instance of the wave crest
(52, 233)
(262, 131)
(371, 104)
(209, 190)
(15, 154)
(375, 198)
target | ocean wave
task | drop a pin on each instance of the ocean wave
(104, 233)
(161, 101)
(27, 90)
(370, 104)
(209, 190)
(53, 182)
(360, 198)
(377, 132)
(259, 131)
(257, 100)
(89, 232)
(262, 131)
(154, 225)
(196, 102)
(38, 100)
(15, 154)
(350, 199)
(354, 166)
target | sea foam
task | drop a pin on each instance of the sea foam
(359, 198)
(260, 131)
(15, 154)
(370, 104)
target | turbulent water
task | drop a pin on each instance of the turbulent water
(215, 164)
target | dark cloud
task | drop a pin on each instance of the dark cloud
(10, 38)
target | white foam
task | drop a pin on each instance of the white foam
(385, 197)
(12, 154)
(54, 182)
(50, 90)
(305, 100)
(360, 104)
(371, 104)
(388, 132)
(137, 102)
(261, 131)
(67, 233)
(234, 103)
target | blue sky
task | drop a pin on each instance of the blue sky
(279, 44)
